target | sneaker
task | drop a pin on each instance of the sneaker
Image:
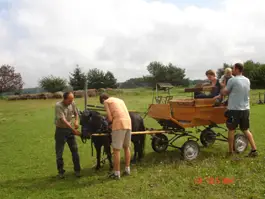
(125, 173)
(60, 175)
(252, 154)
(77, 174)
(114, 177)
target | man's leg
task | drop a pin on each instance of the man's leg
(75, 156)
(116, 161)
(250, 139)
(231, 124)
(59, 148)
(231, 141)
(244, 125)
(127, 153)
(117, 142)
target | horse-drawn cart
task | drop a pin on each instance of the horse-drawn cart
(177, 115)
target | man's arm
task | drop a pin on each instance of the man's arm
(60, 115)
(76, 116)
(109, 115)
(228, 88)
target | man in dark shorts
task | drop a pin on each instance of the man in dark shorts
(64, 110)
(238, 89)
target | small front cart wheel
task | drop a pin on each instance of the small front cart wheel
(190, 150)
(159, 143)
(240, 143)
(207, 137)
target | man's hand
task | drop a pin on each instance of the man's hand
(224, 91)
(76, 125)
(76, 132)
(216, 97)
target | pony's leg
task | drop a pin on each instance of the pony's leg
(108, 152)
(141, 147)
(98, 149)
(133, 161)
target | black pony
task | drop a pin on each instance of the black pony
(93, 122)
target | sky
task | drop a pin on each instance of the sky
(40, 38)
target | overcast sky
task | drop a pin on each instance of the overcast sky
(43, 37)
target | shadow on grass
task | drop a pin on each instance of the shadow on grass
(91, 177)
(173, 156)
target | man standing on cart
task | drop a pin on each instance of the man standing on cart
(238, 89)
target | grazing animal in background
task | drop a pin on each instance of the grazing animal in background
(93, 122)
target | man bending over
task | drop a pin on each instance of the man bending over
(120, 120)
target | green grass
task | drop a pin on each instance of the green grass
(28, 166)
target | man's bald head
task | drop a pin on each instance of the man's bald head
(68, 98)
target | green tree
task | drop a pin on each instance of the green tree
(98, 79)
(95, 78)
(109, 80)
(166, 73)
(10, 80)
(77, 79)
(53, 84)
(257, 77)
(249, 67)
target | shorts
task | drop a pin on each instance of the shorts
(237, 117)
(121, 138)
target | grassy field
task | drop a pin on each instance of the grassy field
(28, 167)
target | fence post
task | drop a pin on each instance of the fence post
(85, 93)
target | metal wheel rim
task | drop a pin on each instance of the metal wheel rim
(160, 144)
(240, 144)
(208, 139)
(190, 151)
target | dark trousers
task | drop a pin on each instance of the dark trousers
(63, 135)
(199, 95)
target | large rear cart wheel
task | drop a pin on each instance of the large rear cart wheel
(207, 137)
(160, 143)
(240, 143)
(190, 150)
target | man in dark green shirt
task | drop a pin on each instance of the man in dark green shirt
(64, 110)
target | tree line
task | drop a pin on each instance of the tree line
(95, 79)
(11, 81)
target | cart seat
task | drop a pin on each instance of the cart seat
(183, 102)
(207, 102)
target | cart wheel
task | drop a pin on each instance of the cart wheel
(240, 143)
(159, 143)
(190, 150)
(207, 137)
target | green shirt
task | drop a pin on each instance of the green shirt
(63, 111)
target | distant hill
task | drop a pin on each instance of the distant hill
(26, 91)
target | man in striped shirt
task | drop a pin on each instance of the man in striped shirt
(120, 120)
